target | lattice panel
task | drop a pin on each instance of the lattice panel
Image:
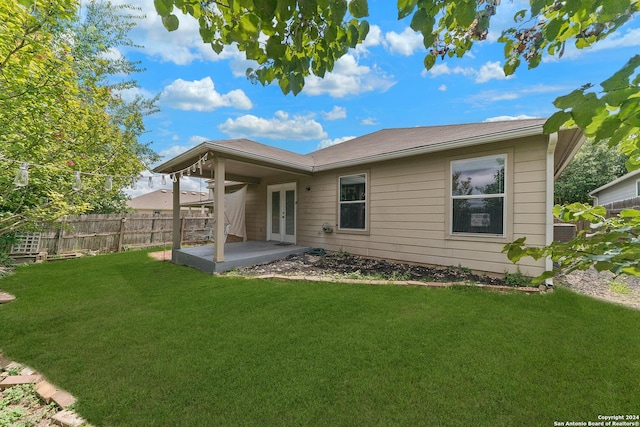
(28, 243)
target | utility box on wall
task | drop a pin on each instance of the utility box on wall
(563, 232)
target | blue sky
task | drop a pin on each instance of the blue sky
(381, 84)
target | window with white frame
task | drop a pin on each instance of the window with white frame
(353, 202)
(478, 195)
(638, 188)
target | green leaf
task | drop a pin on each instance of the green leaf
(607, 128)
(629, 213)
(285, 9)
(552, 29)
(519, 16)
(338, 9)
(465, 13)
(541, 278)
(283, 82)
(163, 7)
(265, 9)
(296, 82)
(584, 112)
(359, 8)
(405, 7)
(217, 47)
(570, 100)
(621, 78)
(419, 20)
(170, 22)
(274, 48)
(363, 30)
(429, 61)
(511, 65)
(556, 121)
(250, 24)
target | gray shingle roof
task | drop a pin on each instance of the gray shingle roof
(381, 145)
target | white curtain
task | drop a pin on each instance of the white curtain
(234, 212)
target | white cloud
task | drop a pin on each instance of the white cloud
(631, 38)
(175, 150)
(374, 38)
(405, 43)
(335, 114)
(280, 127)
(507, 118)
(329, 142)
(369, 121)
(129, 95)
(491, 71)
(200, 95)
(443, 69)
(182, 46)
(488, 71)
(442, 88)
(348, 78)
(488, 96)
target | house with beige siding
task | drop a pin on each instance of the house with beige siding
(440, 195)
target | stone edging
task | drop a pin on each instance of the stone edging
(5, 297)
(46, 391)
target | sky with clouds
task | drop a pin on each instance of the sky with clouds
(381, 84)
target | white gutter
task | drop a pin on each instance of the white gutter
(551, 149)
(449, 145)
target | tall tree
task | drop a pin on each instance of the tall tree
(60, 111)
(593, 166)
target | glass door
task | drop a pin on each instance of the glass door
(281, 213)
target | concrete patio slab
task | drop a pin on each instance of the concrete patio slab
(238, 254)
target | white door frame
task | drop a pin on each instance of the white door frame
(284, 230)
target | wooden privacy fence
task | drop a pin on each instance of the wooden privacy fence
(613, 209)
(114, 233)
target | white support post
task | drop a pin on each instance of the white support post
(218, 203)
(177, 232)
(551, 149)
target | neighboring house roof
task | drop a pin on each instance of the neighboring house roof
(378, 146)
(163, 199)
(595, 192)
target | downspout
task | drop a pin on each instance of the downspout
(551, 149)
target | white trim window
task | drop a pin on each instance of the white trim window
(478, 195)
(352, 207)
(638, 188)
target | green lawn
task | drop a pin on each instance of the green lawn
(146, 343)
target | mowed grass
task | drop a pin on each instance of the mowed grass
(147, 343)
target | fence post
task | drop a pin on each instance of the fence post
(123, 222)
(182, 227)
(60, 236)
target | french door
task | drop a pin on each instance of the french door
(281, 213)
